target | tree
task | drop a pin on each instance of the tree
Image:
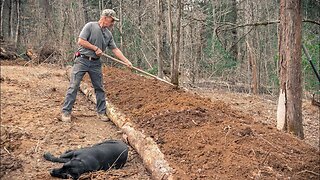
(159, 38)
(18, 22)
(1, 20)
(176, 55)
(170, 36)
(289, 112)
(85, 10)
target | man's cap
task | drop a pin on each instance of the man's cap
(110, 13)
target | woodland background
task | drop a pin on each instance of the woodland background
(231, 42)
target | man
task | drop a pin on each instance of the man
(94, 38)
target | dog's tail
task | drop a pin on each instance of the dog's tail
(48, 156)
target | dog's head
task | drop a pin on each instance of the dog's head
(73, 168)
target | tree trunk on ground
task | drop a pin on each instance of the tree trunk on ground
(290, 99)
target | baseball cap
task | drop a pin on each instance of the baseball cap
(110, 13)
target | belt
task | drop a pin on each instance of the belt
(89, 58)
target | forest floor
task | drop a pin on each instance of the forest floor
(31, 101)
(203, 133)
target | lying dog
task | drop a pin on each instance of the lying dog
(102, 156)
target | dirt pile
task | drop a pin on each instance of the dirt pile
(204, 139)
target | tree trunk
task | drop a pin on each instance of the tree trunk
(290, 98)
(159, 38)
(10, 20)
(49, 21)
(1, 19)
(193, 61)
(138, 38)
(253, 68)
(85, 11)
(176, 59)
(234, 32)
(18, 22)
(120, 27)
(170, 35)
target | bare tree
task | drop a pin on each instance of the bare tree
(18, 22)
(1, 19)
(159, 37)
(139, 37)
(10, 33)
(85, 10)
(234, 32)
(289, 112)
(170, 35)
(176, 58)
(121, 27)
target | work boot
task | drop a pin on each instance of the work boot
(66, 117)
(103, 117)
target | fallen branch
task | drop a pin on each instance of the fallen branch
(308, 171)
(6, 150)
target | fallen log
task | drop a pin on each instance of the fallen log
(145, 146)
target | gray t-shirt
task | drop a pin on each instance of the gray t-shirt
(100, 37)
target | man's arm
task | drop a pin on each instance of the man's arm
(119, 54)
(88, 45)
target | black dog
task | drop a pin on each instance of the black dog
(102, 156)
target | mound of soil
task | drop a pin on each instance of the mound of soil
(205, 139)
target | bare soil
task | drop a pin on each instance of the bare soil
(208, 138)
(204, 134)
(31, 100)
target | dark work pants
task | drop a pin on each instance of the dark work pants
(80, 67)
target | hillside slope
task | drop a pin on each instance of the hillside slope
(207, 139)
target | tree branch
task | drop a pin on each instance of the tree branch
(263, 24)
(217, 30)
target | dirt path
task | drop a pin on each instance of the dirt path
(31, 100)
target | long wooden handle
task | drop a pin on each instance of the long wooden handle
(135, 68)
